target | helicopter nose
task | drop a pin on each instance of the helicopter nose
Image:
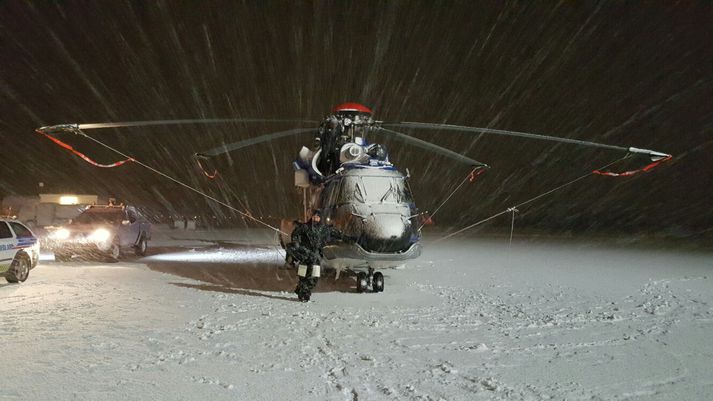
(386, 233)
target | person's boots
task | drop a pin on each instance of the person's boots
(303, 290)
(304, 297)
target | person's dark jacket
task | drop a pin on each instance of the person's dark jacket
(309, 238)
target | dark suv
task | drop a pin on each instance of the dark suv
(102, 230)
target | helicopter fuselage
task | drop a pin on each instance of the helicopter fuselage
(374, 205)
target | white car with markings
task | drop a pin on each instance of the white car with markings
(19, 250)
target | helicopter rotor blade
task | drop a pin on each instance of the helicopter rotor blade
(187, 121)
(225, 148)
(654, 155)
(430, 147)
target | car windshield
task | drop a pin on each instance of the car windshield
(94, 216)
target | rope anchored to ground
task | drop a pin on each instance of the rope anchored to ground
(75, 129)
(660, 158)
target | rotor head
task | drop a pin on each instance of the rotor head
(348, 114)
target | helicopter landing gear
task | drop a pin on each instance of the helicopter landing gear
(371, 281)
(378, 282)
(362, 282)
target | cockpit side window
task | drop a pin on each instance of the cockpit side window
(350, 191)
(359, 192)
(330, 194)
(405, 195)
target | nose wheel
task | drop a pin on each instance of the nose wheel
(370, 282)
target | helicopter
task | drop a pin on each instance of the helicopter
(358, 191)
(351, 180)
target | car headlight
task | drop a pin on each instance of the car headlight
(59, 234)
(100, 235)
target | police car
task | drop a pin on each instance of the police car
(19, 250)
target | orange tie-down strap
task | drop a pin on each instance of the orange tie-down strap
(473, 176)
(633, 172)
(82, 155)
(205, 172)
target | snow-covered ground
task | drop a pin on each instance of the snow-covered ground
(469, 320)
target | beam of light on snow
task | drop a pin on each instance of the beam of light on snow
(252, 255)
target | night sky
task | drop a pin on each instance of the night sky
(629, 74)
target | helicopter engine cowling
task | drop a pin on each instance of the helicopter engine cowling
(353, 153)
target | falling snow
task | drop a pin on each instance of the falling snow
(603, 293)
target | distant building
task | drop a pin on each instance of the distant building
(65, 199)
(47, 209)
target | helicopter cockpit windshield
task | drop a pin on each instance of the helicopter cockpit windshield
(380, 189)
(374, 189)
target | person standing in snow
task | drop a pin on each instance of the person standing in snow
(308, 240)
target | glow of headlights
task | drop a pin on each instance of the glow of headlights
(100, 235)
(59, 234)
(68, 200)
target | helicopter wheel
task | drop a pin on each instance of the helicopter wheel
(362, 282)
(378, 282)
